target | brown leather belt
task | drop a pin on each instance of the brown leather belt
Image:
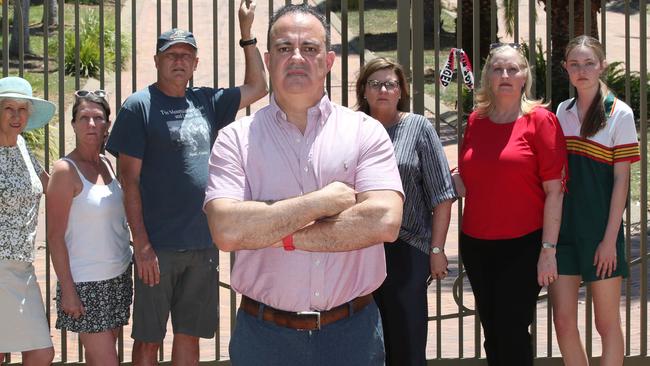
(305, 320)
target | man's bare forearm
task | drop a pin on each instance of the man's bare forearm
(133, 208)
(372, 221)
(240, 225)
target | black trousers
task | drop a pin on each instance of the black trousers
(402, 302)
(503, 275)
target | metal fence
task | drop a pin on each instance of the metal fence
(413, 34)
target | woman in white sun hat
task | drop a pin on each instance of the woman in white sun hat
(22, 315)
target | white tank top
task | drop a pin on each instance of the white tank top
(97, 236)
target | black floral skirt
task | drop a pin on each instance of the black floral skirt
(106, 303)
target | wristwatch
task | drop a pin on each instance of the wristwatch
(547, 245)
(437, 250)
(247, 42)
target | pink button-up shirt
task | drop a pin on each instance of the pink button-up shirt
(265, 158)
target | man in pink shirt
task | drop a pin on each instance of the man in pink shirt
(304, 191)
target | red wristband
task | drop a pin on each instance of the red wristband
(287, 242)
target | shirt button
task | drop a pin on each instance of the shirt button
(306, 168)
(317, 262)
(317, 294)
(298, 141)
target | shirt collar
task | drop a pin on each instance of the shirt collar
(608, 105)
(318, 112)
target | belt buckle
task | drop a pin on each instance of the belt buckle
(316, 313)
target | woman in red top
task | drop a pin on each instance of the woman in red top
(512, 165)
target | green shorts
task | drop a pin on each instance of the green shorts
(187, 290)
(577, 259)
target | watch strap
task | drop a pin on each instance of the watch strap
(248, 42)
(547, 245)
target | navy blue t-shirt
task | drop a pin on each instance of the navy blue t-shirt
(173, 137)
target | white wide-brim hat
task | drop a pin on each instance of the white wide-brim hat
(18, 88)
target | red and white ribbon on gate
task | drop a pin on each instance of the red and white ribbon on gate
(447, 72)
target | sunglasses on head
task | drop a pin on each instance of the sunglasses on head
(84, 93)
(499, 44)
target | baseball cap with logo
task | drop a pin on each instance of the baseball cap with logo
(175, 36)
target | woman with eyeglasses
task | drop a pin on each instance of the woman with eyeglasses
(88, 235)
(512, 166)
(23, 324)
(602, 144)
(383, 93)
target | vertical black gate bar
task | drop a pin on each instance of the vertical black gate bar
(158, 18)
(118, 54)
(459, 124)
(61, 110)
(102, 61)
(404, 34)
(18, 8)
(586, 29)
(175, 13)
(532, 62)
(46, 163)
(476, 39)
(643, 121)
(476, 52)
(134, 87)
(5, 38)
(603, 25)
(548, 97)
(628, 216)
(571, 35)
(362, 35)
(344, 52)
(532, 43)
(77, 47)
(231, 43)
(549, 64)
(516, 25)
(134, 48)
(493, 21)
(215, 84)
(328, 19)
(417, 73)
(190, 26)
(231, 83)
(436, 88)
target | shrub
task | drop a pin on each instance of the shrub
(615, 79)
(89, 60)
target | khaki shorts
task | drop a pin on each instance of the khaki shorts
(22, 314)
(187, 290)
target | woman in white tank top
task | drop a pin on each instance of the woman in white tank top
(88, 235)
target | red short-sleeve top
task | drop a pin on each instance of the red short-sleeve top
(503, 167)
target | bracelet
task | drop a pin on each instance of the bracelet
(287, 243)
(247, 42)
(547, 245)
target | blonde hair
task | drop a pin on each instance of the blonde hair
(485, 98)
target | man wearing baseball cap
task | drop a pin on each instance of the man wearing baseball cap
(162, 138)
